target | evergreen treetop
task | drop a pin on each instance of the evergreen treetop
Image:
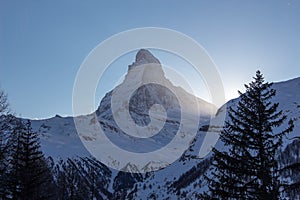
(249, 169)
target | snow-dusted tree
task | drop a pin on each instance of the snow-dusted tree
(3, 103)
(82, 178)
(30, 176)
(290, 171)
(3, 136)
(293, 188)
(4, 144)
(70, 184)
(249, 169)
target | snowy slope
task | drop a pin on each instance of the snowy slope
(59, 136)
(193, 182)
(60, 139)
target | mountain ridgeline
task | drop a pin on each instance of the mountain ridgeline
(76, 174)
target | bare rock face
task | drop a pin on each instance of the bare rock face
(146, 68)
(144, 57)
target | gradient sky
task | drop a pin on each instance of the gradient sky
(43, 43)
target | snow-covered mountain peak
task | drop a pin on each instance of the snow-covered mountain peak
(146, 79)
(144, 56)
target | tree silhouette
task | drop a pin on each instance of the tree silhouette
(249, 169)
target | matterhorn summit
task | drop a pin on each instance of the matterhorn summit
(144, 56)
(144, 114)
(146, 72)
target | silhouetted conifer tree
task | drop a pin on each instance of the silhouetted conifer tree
(249, 169)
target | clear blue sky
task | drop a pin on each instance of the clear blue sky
(43, 43)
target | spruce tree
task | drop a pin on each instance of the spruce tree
(30, 175)
(249, 169)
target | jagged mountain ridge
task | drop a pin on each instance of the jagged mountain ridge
(59, 139)
(139, 73)
(54, 129)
